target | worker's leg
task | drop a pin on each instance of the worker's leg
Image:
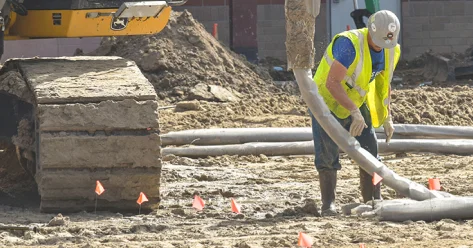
(369, 142)
(327, 164)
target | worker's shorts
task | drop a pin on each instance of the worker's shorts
(327, 152)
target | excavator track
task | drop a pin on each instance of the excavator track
(92, 118)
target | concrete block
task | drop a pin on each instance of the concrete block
(261, 13)
(82, 151)
(223, 13)
(439, 20)
(412, 35)
(428, 27)
(456, 41)
(469, 8)
(408, 21)
(417, 27)
(267, 12)
(458, 26)
(461, 19)
(414, 42)
(414, 51)
(460, 48)
(438, 41)
(435, 8)
(214, 12)
(454, 8)
(444, 34)
(426, 42)
(441, 49)
(419, 8)
(264, 24)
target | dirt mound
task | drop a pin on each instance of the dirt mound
(184, 55)
(423, 105)
(433, 105)
(276, 111)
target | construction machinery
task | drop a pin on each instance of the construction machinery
(371, 7)
(78, 120)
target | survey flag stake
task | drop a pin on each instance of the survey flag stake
(376, 179)
(198, 203)
(434, 184)
(142, 198)
(235, 206)
(304, 240)
(98, 190)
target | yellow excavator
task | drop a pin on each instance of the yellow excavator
(80, 121)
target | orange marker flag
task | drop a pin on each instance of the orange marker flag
(198, 203)
(434, 184)
(304, 240)
(142, 198)
(99, 188)
(235, 206)
(376, 178)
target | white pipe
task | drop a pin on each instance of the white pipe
(222, 136)
(351, 146)
(300, 29)
(447, 132)
(459, 147)
(430, 210)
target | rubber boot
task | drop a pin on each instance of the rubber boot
(328, 183)
(366, 185)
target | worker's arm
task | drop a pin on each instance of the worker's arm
(334, 85)
(344, 55)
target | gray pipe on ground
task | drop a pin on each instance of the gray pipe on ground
(440, 132)
(429, 210)
(458, 147)
(224, 136)
(300, 28)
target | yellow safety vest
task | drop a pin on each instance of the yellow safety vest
(356, 82)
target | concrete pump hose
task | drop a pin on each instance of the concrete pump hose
(300, 28)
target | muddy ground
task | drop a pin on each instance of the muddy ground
(277, 194)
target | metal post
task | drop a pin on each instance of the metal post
(355, 4)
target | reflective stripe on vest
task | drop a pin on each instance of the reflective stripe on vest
(359, 67)
(391, 72)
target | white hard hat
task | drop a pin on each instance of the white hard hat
(384, 28)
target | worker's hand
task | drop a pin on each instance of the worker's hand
(388, 128)
(357, 123)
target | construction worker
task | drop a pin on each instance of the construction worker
(354, 79)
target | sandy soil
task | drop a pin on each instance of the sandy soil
(276, 195)
(279, 195)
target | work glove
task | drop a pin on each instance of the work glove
(357, 123)
(388, 128)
